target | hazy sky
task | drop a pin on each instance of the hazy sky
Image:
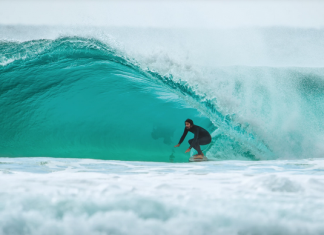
(187, 14)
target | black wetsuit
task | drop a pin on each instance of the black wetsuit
(202, 137)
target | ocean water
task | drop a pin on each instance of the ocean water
(89, 118)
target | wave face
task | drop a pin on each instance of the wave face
(75, 97)
(80, 98)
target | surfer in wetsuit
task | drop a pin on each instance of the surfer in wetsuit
(202, 137)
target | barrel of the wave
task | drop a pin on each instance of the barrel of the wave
(75, 98)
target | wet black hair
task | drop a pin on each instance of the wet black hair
(189, 121)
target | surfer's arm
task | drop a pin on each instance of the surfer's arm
(183, 136)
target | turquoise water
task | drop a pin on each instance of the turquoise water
(79, 98)
(76, 97)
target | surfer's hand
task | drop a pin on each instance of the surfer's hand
(188, 150)
(177, 145)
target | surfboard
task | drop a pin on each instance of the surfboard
(191, 159)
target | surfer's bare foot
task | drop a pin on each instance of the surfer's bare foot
(199, 156)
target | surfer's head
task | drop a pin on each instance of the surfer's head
(188, 123)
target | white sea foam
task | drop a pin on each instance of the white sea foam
(73, 196)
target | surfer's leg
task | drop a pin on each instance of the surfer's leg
(200, 154)
(204, 140)
(201, 141)
(196, 146)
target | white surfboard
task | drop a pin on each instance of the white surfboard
(191, 159)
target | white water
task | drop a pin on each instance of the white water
(74, 196)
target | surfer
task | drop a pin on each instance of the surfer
(202, 137)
